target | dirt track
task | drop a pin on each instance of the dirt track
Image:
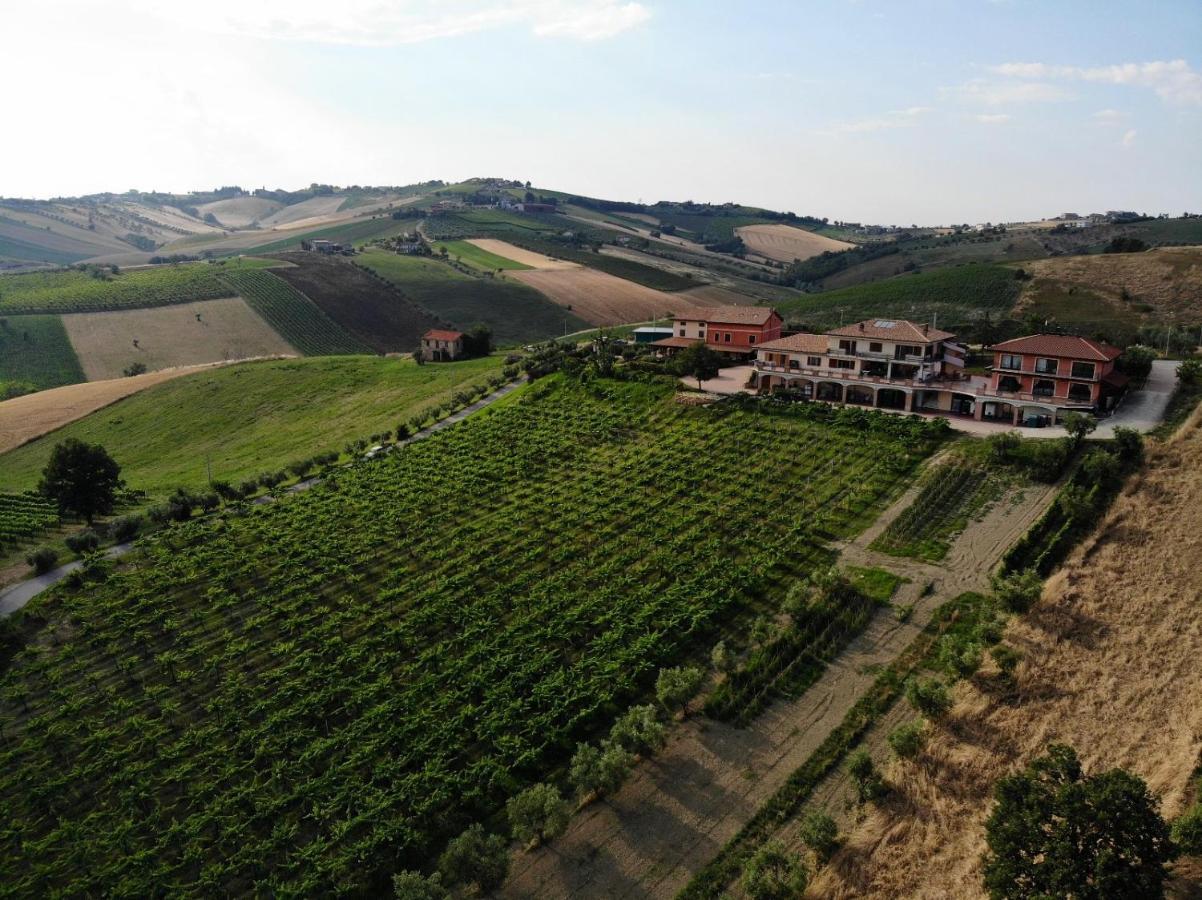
(1109, 666)
(677, 809)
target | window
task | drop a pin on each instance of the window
(1046, 366)
(1083, 369)
(1008, 384)
(751, 339)
(847, 346)
(874, 347)
(682, 332)
(1044, 387)
(841, 363)
(793, 364)
(1080, 392)
(726, 337)
(1010, 361)
(814, 361)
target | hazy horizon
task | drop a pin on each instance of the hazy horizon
(941, 112)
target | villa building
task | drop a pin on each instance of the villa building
(734, 330)
(895, 364)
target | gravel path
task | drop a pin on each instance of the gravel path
(678, 808)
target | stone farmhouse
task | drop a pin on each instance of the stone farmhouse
(441, 345)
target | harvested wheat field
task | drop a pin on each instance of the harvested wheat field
(183, 334)
(518, 254)
(1110, 666)
(24, 418)
(602, 299)
(784, 243)
(1168, 279)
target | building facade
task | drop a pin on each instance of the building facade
(439, 345)
(735, 330)
(895, 364)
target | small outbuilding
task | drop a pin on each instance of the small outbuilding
(441, 345)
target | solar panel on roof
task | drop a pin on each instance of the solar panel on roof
(884, 323)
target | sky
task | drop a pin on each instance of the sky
(878, 111)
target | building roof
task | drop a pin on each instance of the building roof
(1061, 345)
(798, 343)
(729, 315)
(676, 342)
(894, 330)
(442, 334)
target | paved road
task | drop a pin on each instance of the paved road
(16, 596)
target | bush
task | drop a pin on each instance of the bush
(908, 740)
(402, 432)
(475, 858)
(83, 542)
(43, 559)
(226, 491)
(134, 368)
(772, 874)
(820, 833)
(675, 687)
(1190, 371)
(1017, 591)
(126, 528)
(863, 772)
(248, 487)
(599, 771)
(415, 886)
(930, 697)
(538, 813)
(638, 730)
(1007, 660)
(1130, 445)
(1187, 831)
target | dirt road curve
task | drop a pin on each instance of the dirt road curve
(679, 808)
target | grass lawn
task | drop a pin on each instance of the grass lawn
(478, 258)
(516, 313)
(36, 350)
(250, 418)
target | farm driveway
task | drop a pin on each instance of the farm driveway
(678, 808)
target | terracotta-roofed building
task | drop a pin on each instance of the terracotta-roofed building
(736, 330)
(1061, 369)
(442, 345)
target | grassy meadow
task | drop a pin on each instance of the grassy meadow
(35, 350)
(250, 418)
(477, 257)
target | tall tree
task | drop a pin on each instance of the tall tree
(1056, 832)
(81, 478)
(698, 361)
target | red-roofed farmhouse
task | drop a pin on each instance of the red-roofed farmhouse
(442, 345)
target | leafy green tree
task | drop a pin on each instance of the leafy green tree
(599, 770)
(538, 813)
(1130, 444)
(930, 697)
(639, 730)
(1187, 831)
(675, 687)
(772, 874)
(1055, 832)
(475, 858)
(820, 833)
(81, 478)
(908, 740)
(1018, 590)
(863, 771)
(415, 886)
(697, 361)
(43, 559)
(1190, 371)
(1078, 426)
(1136, 361)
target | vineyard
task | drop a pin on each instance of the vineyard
(951, 495)
(292, 315)
(98, 290)
(311, 695)
(23, 516)
(36, 352)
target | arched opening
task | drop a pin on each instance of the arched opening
(1036, 416)
(830, 391)
(862, 396)
(891, 398)
(963, 404)
(995, 411)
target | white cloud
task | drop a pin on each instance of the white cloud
(1108, 116)
(993, 118)
(995, 93)
(1129, 138)
(1174, 81)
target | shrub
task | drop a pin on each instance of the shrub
(960, 657)
(820, 833)
(208, 501)
(908, 740)
(772, 874)
(1017, 591)
(226, 491)
(599, 771)
(1130, 445)
(676, 686)
(134, 368)
(1007, 660)
(248, 487)
(475, 858)
(721, 658)
(126, 528)
(538, 813)
(402, 432)
(864, 774)
(1187, 831)
(1190, 371)
(83, 542)
(930, 697)
(43, 559)
(638, 730)
(415, 886)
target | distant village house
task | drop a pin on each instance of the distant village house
(441, 345)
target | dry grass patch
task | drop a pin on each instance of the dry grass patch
(784, 243)
(1109, 666)
(184, 334)
(602, 299)
(518, 254)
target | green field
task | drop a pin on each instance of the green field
(97, 290)
(23, 516)
(293, 316)
(250, 418)
(516, 313)
(35, 350)
(956, 296)
(477, 258)
(347, 233)
(309, 696)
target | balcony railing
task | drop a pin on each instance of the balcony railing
(1002, 370)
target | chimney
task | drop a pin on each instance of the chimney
(861, 326)
(926, 329)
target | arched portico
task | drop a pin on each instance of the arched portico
(891, 398)
(830, 391)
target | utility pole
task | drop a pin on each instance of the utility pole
(209, 469)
